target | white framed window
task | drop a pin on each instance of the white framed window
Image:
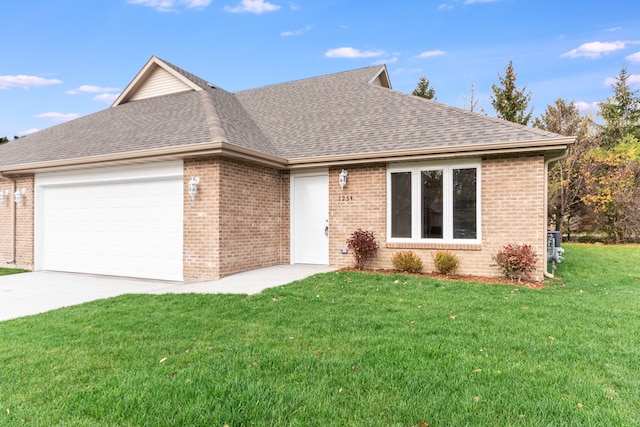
(434, 202)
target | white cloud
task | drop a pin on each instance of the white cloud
(92, 89)
(296, 32)
(445, 6)
(25, 82)
(478, 1)
(172, 5)
(28, 132)
(586, 106)
(58, 117)
(386, 61)
(611, 30)
(106, 97)
(431, 53)
(595, 49)
(407, 71)
(634, 57)
(253, 6)
(349, 52)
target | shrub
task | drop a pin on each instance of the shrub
(446, 262)
(364, 247)
(516, 261)
(407, 261)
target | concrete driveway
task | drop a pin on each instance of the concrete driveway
(26, 294)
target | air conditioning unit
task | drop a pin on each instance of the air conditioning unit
(554, 250)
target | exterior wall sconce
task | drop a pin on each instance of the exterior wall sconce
(3, 196)
(342, 179)
(18, 196)
(192, 187)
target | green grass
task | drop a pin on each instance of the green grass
(6, 271)
(341, 349)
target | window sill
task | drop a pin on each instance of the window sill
(443, 246)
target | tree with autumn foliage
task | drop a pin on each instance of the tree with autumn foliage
(567, 184)
(612, 170)
(510, 102)
(613, 183)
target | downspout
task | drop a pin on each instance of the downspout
(546, 202)
(13, 218)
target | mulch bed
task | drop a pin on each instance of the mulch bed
(457, 278)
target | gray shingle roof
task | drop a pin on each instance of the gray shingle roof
(166, 121)
(342, 114)
(334, 115)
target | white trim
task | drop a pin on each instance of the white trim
(416, 215)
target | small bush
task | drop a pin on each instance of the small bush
(364, 247)
(407, 261)
(516, 261)
(446, 262)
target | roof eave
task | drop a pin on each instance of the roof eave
(222, 149)
(546, 147)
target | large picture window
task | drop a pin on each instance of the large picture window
(434, 202)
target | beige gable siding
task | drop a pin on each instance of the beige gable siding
(159, 83)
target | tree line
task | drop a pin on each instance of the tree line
(594, 193)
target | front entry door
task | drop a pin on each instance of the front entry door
(310, 219)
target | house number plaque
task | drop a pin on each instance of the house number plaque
(345, 198)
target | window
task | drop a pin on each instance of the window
(434, 202)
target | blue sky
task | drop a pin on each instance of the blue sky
(67, 58)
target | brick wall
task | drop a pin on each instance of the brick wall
(512, 211)
(238, 221)
(254, 214)
(6, 224)
(201, 239)
(361, 204)
(24, 217)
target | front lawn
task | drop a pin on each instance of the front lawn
(6, 271)
(341, 349)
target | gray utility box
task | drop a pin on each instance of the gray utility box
(554, 251)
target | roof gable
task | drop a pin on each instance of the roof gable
(156, 78)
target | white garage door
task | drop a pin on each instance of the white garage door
(120, 221)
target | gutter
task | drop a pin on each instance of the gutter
(546, 202)
(13, 218)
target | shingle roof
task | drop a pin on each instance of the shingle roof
(166, 121)
(342, 114)
(339, 114)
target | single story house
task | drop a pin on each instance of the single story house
(181, 180)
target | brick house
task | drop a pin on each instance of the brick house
(108, 193)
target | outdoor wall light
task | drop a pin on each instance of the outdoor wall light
(192, 187)
(342, 179)
(3, 195)
(18, 196)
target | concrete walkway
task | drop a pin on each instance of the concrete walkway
(26, 294)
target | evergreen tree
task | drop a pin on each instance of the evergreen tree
(620, 112)
(510, 103)
(423, 90)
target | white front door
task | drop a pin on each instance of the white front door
(310, 219)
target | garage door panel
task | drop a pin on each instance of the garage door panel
(124, 228)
